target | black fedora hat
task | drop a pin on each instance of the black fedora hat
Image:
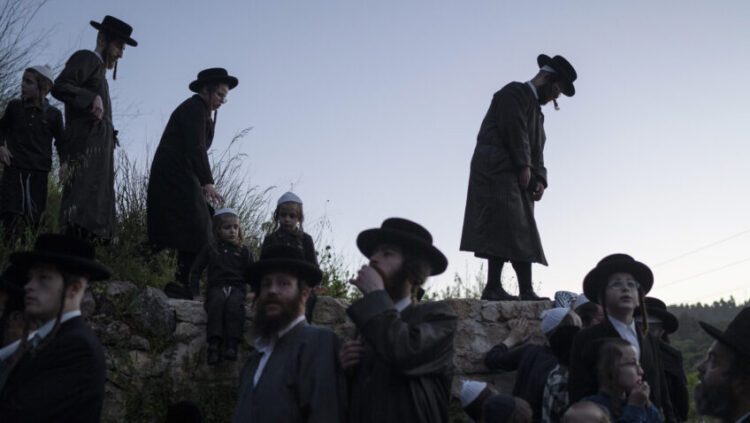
(117, 28)
(656, 308)
(564, 69)
(213, 75)
(69, 253)
(596, 280)
(407, 234)
(283, 258)
(736, 336)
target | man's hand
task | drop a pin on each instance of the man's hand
(524, 176)
(5, 155)
(212, 195)
(63, 172)
(538, 192)
(639, 395)
(97, 108)
(368, 280)
(351, 353)
(518, 332)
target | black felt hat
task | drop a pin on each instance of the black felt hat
(565, 72)
(116, 28)
(406, 234)
(283, 258)
(656, 308)
(736, 336)
(596, 280)
(213, 75)
(69, 253)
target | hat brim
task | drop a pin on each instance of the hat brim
(669, 321)
(196, 85)
(719, 336)
(566, 87)
(596, 279)
(305, 270)
(92, 270)
(129, 41)
(371, 238)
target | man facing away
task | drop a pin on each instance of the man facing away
(87, 208)
(508, 176)
(402, 363)
(294, 374)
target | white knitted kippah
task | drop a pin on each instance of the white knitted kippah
(552, 317)
(226, 211)
(289, 197)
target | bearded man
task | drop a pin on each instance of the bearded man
(401, 365)
(508, 176)
(294, 374)
(87, 208)
(723, 390)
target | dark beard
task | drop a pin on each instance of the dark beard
(715, 401)
(267, 326)
(393, 283)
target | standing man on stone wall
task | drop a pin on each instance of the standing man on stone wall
(87, 208)
(508, 175)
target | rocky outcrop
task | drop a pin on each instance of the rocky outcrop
(156, 348)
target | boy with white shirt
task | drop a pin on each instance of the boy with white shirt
(294, 374)
(56, 373)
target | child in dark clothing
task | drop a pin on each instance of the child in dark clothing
(288, 230)
(26, 132)
(227, 260)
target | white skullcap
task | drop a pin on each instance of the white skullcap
(289, 197)
(43, 70)
(226, 211)
(470, 390)
(581, 300)
(547, 68)
(552, 317)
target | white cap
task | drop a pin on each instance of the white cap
(45, 71)
(289, 197)
(552, 317)
(226, 211)
(581, 300)
(470, 390)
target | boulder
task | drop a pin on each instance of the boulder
(154, 315)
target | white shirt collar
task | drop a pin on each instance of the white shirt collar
(402, 304)
(533, 89)
(622, 326)
(98, 55)
(42, 332)
(265, 345)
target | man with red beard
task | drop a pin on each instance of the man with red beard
(401, 365)
(294, 374)
(724, 387)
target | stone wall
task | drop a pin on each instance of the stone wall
(156, 348)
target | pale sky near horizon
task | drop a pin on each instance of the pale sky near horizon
(371, 110)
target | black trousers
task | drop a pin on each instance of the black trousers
(226, 314)
(23, 199)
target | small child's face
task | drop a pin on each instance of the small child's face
(631, 373)
(288, 216)
(230, 229)
(29, 85)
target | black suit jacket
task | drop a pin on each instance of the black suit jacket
(582, 380)
(62, 382)
(676, 380)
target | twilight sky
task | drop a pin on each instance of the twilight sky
(371, 109)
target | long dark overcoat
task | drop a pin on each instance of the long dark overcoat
(177, 213)
(406, 371)
(582, 380)
(674, 374)
(63, 382)
(88, 198)
(499, 217)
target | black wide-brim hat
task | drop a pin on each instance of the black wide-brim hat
(117, 28)
(71, 254)
(565, 72)
(736, 336)
(656, 308)
(213, 76)
(405, 234)
(286, 259)
(596, 280)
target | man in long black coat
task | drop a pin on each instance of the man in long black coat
(180, 182)
(57, 373)
(87, 207)
(508, 175)
(402, 364)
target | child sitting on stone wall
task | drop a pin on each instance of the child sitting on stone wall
(227, 260)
